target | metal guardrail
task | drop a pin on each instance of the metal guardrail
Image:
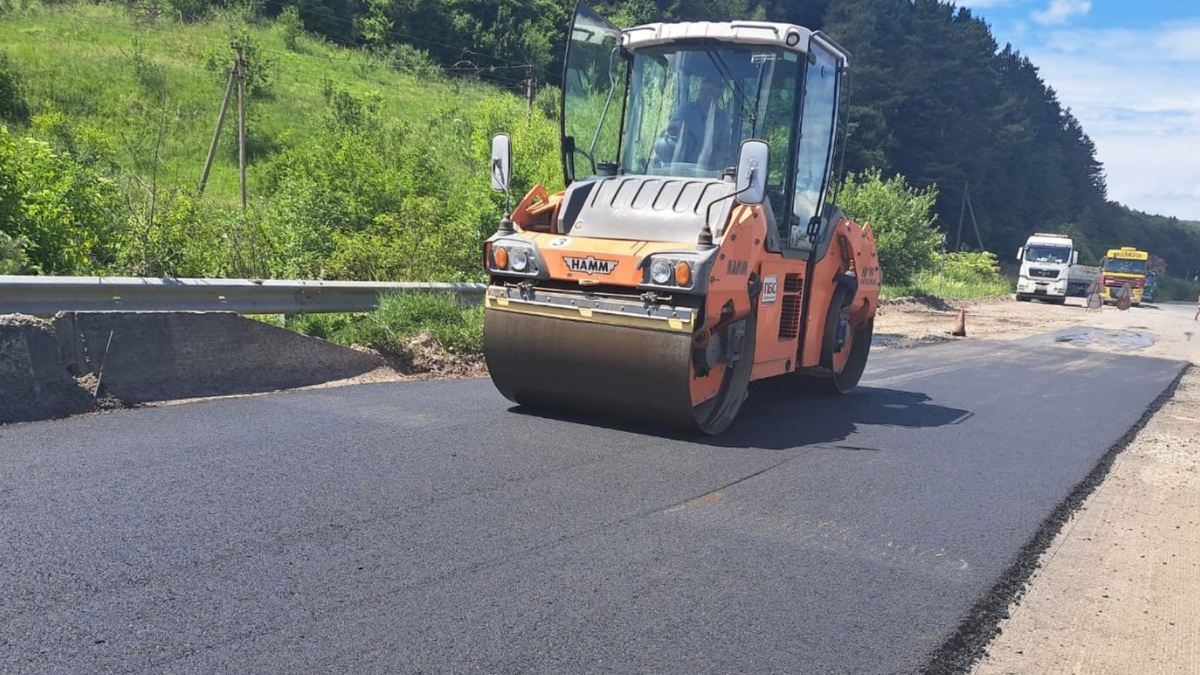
(47, 295)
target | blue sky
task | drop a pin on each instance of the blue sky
(1130, 73)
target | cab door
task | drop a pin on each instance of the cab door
(595, 81)
(814, 157)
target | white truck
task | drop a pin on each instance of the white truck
(1046, 261)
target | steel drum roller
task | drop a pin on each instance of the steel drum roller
(590, 368)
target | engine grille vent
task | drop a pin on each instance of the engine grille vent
(791, 304)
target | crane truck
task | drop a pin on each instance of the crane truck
(696, 246)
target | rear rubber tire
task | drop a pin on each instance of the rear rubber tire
(837, 384)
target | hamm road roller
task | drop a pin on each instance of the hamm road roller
(696, 246)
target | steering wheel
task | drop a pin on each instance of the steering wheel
(666, 145)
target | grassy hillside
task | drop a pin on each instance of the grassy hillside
(360, 165)
(102, 67)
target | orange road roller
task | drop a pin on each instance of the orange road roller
(696, 246)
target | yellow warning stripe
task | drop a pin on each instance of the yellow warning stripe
(589, 314)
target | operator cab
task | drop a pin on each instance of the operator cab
(671, 104)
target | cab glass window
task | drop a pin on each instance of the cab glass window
(815, 150)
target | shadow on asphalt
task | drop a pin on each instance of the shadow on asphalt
(777, 417)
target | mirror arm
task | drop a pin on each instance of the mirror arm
(502, 178)
(506, 223)
(705, 239)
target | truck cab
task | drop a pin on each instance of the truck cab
(1046, 261)
(1124, 270)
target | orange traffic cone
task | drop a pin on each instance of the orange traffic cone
(960, 329)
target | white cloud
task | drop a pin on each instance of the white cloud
(1061, 11)
(1181, 42)
(1137, 95)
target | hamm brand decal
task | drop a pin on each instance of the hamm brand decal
(590, 265)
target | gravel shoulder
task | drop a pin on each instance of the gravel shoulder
(1117, 590)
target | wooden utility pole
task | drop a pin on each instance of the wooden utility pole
(212, 148)
(975, 223)
(529, 93)
(966, 204)
(241, 85)
(961, 214)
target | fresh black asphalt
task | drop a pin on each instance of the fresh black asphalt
(431, 527)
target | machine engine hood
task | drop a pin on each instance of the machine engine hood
(646, 208)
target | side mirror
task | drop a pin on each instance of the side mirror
(1020, 254)
(751, 177)
(1074, 257)
(501, 162)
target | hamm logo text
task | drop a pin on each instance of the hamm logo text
(590, 265)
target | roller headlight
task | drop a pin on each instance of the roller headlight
(660, 271)
(519, 260)
(514, 258)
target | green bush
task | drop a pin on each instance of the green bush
(1171, 289)
(65, 210)
(261, 66)
(12, 254)
(13, 107)
(292, 27)
(966, 275)
(901, 219)
(189, 237)
(967, 267)
(406, 58)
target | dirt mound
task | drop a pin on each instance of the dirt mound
(144, 357)
(34, 384)
(915, 301)
(93, 385)
(423, 357)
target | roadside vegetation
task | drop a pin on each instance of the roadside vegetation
(1171, 289)
(400, 319)
(368, 127)
(910, 245)
(962, 276)
(361, 164)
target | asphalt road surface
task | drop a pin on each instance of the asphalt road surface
(433, 528)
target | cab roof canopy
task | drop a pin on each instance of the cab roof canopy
(766, 33)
